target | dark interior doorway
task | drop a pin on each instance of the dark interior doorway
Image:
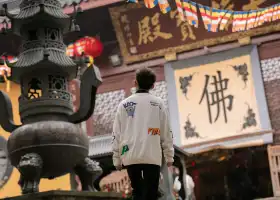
(243, 176)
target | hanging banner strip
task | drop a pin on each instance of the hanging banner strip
(150, 3)
(164, 6)
(194, 14)
(276, 13)
(215, 20)
(205, 12)
(251, 19)
(225, 19)
(180, 9)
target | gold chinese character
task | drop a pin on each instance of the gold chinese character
(186, 29)
(126, 28)
(253, 5)
(131, 42)
(124, 19)
(145, 32)
(224, 5)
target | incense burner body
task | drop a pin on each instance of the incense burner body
(61, 146)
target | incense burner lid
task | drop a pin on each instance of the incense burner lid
(31, 8)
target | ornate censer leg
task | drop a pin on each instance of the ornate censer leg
(30, 167)
(88, 171)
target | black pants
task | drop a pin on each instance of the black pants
(144, 181)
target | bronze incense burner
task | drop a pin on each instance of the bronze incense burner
(49, 143)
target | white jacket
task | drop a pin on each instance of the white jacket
(141, 131)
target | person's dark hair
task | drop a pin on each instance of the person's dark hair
(145, 78)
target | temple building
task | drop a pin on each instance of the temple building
(221, 88)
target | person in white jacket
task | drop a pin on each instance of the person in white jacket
(141, 133)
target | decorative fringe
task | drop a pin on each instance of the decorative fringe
(215, 20)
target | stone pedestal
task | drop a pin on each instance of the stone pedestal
(68, 195)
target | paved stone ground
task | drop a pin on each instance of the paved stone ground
(68, 195)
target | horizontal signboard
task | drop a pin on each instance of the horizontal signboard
(145, 33)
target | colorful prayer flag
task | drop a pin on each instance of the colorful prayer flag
(164, 6)
(215, 19)
(256, 23)
(276, 12)
(268, 14)
(239, 21)
(194, 14)
(206, 17)
(180, 9)
(225, 19)
(187, 11)
(251, 19)
(261, 19)
(150, 3)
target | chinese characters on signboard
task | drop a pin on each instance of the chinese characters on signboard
(216, 100)
(147, 33)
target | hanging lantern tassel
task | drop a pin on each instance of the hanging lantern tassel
(8, 84)
(91, 61)
(6, 81)
(5, 72)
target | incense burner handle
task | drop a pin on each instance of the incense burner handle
(6, 113)
(90, 81)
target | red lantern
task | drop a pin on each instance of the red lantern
(90, 46)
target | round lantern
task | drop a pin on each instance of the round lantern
(89, 46)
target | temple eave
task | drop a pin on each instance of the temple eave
(32, 12)
(22, 67)
(56, 57)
